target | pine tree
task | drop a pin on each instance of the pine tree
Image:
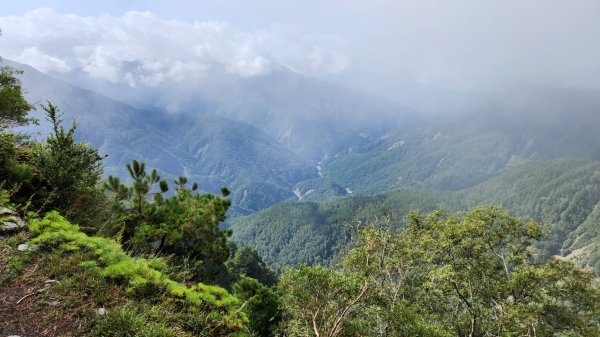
(66, 169)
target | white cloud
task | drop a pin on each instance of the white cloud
(140, 48)
(41, 61)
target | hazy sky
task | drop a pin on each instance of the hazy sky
(377, 45)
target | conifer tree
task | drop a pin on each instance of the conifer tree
(66, 169)
(186, 224)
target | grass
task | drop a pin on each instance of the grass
(138, 295)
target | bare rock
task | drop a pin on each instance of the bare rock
(23, 247)
(10, 221)
(9, 225)
(6, 211)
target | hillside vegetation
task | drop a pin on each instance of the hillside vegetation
(140, 253)
(215, 150)
(80, 255)
(457, 151)
(561, 193)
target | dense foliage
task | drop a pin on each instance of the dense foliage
(444, 275)
(184, 225)
(14, 107)
(58, 174)
(164, 251)
(561, 193)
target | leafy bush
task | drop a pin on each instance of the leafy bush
(261, 305)
(13, 106)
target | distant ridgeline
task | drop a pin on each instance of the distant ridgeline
(259, 137)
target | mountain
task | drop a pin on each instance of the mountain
(312, 118)
(562, 193)
(455, 151)
(215, 151)
(308, 232)
(583, 245)
(284, 137)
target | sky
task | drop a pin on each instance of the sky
(380, 46)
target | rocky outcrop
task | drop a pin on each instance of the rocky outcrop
(10, 221)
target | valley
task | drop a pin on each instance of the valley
(250, 168)
(505, 151)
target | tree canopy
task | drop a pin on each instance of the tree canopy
(13, 105)
(471, 274)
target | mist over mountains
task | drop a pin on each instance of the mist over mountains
(455, 151)
(259, 136)
(214, 150)
(287, 137)
(301, 168)
(310, 135)
(312, 117)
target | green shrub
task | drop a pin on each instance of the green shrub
(261, 305)
(13, 106)
(185, 225)
(68, 171)
(140, 277)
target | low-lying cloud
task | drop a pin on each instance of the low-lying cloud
(140, 48)
(386, 47)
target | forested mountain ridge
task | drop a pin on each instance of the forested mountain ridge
(561, 193)
(583, 245)
(215, 150)
(456, 151)
(310, 117)
(308, 232)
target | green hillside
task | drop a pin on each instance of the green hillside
(583, 245)
(215, 150)
(561, 193)
(454, 152)
(309, 232)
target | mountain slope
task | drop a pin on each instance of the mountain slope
(453, 152)
(214, 150)
(310, 232)
(561, 193)
(312, 118)
(583, 245)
